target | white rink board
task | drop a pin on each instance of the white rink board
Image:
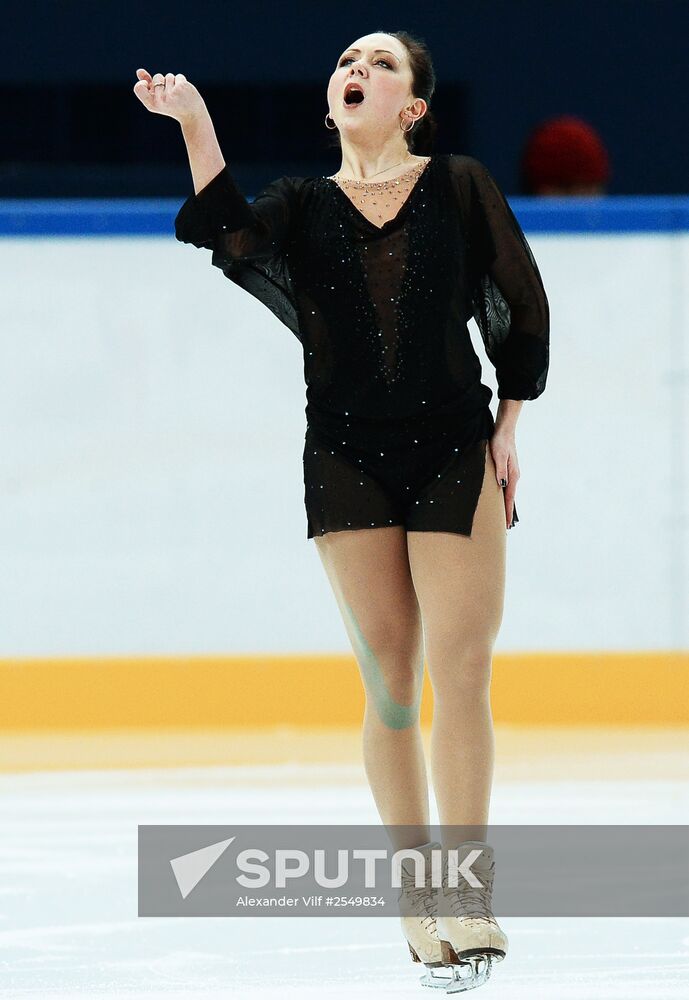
(149, 413)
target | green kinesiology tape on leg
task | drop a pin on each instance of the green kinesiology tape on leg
(391, 712)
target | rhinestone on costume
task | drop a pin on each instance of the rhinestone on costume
(384, 338)
(375, 257)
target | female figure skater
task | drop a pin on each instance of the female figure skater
(409, 481)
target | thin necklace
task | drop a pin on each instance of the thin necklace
(377, 172)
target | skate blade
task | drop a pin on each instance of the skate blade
(465, 972)
(467, 975)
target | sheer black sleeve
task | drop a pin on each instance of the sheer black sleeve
(248, 241)
(509, 301)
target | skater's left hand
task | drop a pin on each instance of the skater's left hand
(504, 451)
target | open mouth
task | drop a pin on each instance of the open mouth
(353, 95)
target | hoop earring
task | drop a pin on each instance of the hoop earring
(330, 127)
(408, 129)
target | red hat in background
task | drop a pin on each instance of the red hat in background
(564, 151)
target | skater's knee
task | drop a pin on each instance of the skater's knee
(460, 670)
(391, 670)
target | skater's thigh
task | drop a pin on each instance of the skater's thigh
(460, 583)
(369, 572)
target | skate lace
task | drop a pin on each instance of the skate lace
(470, 900)
(422, 896)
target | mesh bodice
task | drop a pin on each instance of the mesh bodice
(378, 282)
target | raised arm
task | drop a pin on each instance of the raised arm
(203, 149)
(217, 216)
(509, 301)
(248, 241)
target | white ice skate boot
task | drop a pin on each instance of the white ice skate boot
(418, 908)
(470, 938)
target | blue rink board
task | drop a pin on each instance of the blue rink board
(31, 217)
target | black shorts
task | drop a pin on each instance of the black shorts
(430, 486)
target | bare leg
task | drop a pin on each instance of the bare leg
(370, 576)
(460, 583)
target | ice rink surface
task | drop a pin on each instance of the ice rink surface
(68, 895)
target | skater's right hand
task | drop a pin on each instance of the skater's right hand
(178, 99)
